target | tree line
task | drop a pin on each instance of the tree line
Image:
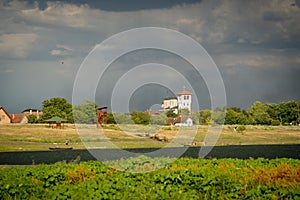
(284, 113)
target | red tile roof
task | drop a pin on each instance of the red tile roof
(184, 92)
(17, 118)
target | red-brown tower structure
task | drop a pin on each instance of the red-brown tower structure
(102, 116)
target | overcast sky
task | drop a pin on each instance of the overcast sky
(255, 44)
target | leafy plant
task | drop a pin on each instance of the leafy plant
(241, 128)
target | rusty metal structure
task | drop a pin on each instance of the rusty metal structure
(101, 116)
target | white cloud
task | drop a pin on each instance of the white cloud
(17, 45)
(61, 50)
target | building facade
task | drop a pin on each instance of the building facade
(185, 100)
(182, 101)
(4, 116)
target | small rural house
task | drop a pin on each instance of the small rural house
(21, 118)
(186, 122)
(181, 121)
(4, 116)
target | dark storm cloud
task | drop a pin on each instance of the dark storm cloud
(118, 5)
(275, 16)
(255, 44)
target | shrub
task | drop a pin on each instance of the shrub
(275, 122)
(241, 128)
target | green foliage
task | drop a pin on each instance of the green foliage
(218, 116)
(31, 119)
(241, 128)
(122, 118)
(166, 178)
(158, 119)
(205, 117)
(140, 118)
(85, 113)
(110, 118)
(184, 112)
(275, 122)
(57, 107)
(235, 116)
(171, 114)
(195, 117)
(259, 115)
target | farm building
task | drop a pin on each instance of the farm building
(4, 116)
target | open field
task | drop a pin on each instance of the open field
(41, 137)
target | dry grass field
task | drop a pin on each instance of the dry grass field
(29, 137)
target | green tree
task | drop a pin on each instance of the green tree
(121, 118)
(85, 113)
(218, 116)
(259, 115)
(111, 118)
(158, 119)
(288, 112)
(57, 107)
(205, 117)
(241, 129)
(140, 118)
(31, 119)
(184, 112)
(235, 116)
(171, 114)
(195, 117)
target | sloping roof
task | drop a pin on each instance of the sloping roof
(152, 112)
(180, 119)
(170, 98)
(56, 119)
(33, 110)
(1, 107)
(184, 92)
(17, 118)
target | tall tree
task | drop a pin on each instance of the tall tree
(235, 116)
(57, 107)
(259, 115)
(85, 113)
(205, 117)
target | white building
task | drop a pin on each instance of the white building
(182, 101)
(170, 104)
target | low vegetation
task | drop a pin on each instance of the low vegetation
(165, 179)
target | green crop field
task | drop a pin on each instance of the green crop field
(158, 178)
